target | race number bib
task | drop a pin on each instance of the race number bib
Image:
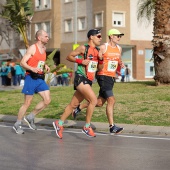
(112, 65)
(92, 67)
(41, 65)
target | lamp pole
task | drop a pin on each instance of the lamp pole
(75, 29)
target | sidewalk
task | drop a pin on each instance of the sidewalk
(102, 127)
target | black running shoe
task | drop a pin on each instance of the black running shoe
(116, 129)
(76, 112)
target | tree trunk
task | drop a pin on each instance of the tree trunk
(161, 42)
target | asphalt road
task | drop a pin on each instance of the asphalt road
(42, 150)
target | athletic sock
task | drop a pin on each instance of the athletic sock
(31, 116)
(87, 125)
(18, 122)
(60, 122)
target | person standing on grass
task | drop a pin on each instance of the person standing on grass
(88, 62)
(112, 58)
(34, 63)
(122, 71)
(127, 73)
(18, 73)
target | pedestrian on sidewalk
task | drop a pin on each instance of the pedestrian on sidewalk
(112, 58)
(34, 63)
(89, 60)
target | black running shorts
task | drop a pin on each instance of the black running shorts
(80, 78)
(106, 84)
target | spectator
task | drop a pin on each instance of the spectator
(9, 76)
(14, 80)
(59, 80)
(65, 79)
(127, 73)
(122, 71)
(19, 73)
(4, 72)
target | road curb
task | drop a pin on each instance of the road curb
(98, 126)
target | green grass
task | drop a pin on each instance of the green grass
(139, 103)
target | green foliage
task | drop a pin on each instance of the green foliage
(145, 10)
(50, 61)
(18, 13)
(64, 70)
(59, 69)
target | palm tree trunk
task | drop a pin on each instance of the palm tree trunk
(161, 42)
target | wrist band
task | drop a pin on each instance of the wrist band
(79, 61)
(100, 61)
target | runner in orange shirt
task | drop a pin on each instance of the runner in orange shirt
(111, 58)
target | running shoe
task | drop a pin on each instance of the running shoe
(58, 129)
(88, 131)
(18, 129)
(76, 112)
(30, 123)
(116, 129)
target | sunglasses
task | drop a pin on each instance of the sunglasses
(118, 36)
(99, 36)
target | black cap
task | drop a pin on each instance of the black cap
(93, 32)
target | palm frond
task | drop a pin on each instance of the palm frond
(145, 10)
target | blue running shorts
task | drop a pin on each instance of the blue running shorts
(32, 86)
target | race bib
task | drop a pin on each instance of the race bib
(112, 65)
(41, 65)
(92, 67)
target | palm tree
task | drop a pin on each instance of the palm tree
(18, 13)
(159, 9)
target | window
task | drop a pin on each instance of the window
(38, 4)
(46, 26)
(99, 20)
(38, 27)
(66, 1)
(47, 3)
(68, 25)
(151, 71)
(118, 19)
(42, 4)
(82, 23)
(149, 65)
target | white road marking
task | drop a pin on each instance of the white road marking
(97, 133)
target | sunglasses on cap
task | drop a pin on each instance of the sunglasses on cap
(118, 36)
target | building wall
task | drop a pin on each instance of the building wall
(136, 40)
(49, 15)
(141, 37)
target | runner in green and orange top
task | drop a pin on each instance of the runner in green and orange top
(88, 64)
(112, 59)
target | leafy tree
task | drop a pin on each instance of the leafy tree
(158, 10)
(18, 13)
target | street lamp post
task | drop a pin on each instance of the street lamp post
(75, 29)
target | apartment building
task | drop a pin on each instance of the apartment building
(68, 21)
(47, 16)
(78, 16)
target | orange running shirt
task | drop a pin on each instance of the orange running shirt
(37, 60)
(111, 60)
(89, 70)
